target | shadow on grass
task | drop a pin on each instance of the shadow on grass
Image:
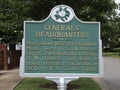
(54, 86)
(49, 85)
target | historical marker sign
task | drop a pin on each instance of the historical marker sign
(61, 46)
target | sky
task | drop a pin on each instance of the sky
(117, 1)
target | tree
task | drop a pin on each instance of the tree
(86, 10)
(112, 34)
(114, 38)
(14, 12)
(12, 15)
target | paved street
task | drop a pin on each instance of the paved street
(111, 79)
(112, 72)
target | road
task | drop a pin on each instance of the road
(111, 79)
(112, 72)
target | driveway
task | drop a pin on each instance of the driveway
(111, 79)
(112, 72)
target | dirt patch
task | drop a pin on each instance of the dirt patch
(72, 86)
(48, 85)
(54, 86)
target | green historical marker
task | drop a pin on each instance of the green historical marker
(61, 45)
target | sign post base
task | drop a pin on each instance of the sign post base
(62, 84)
(61, 81)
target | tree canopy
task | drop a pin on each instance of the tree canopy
(14, 12)
(12, 15)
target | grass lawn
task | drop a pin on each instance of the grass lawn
(43, 84)
(112, 54)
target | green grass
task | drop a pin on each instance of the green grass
(112, 54)
(43, 84)
(115, 52)
(116, 49)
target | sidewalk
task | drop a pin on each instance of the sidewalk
(9, 79)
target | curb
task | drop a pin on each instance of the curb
(14, 86)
